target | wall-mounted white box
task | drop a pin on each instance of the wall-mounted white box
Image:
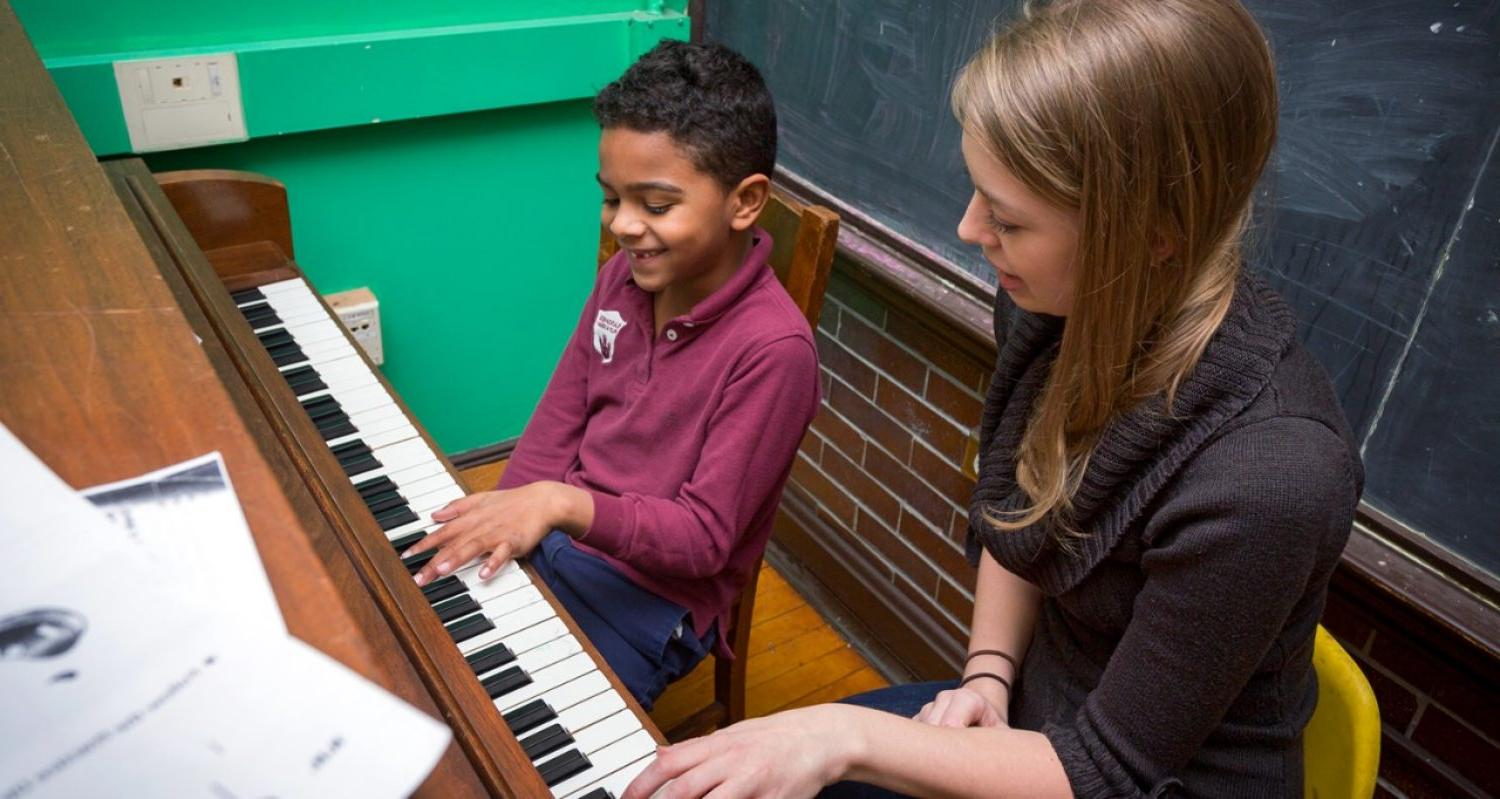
(187, 101)
(359, 312)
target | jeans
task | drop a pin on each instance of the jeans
(647, 641)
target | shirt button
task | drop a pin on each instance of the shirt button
(671, 335)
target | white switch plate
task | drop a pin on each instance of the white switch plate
(359, 311)
(187, 101)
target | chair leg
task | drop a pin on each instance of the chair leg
(729, 686)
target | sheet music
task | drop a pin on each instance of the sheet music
(115, 679)
(168, 513)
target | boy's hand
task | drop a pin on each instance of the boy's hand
(504, 524)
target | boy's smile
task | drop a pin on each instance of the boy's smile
(680, 227)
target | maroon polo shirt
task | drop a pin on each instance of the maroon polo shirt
(684, 439)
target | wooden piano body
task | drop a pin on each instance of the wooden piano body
(122, 352)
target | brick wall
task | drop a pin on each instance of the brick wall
(875, 513)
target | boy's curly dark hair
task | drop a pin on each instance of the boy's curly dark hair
(708, 98)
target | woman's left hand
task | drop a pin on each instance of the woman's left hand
(787, 755)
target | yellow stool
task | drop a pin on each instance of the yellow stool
(1341, 745)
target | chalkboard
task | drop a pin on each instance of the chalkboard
(1381, 205)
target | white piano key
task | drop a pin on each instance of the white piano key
(581, 714)
(321, 351)
(365, 398)
(537, 635)
(434, 500)
(513, 619)
(288, 286)
(427, 485)
(607, 761)
(385, 438)
(536, 660)
(617, 782)
(546, 679)
(606, 731)
(403, 477)
(590, 689)
(510, 578)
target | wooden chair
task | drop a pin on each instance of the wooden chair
(1341, 744)
(802, 255)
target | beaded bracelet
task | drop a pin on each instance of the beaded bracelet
(997, 653)
(990, 674)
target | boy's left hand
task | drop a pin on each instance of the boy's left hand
(504, 524)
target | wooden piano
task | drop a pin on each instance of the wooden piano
(137, 331)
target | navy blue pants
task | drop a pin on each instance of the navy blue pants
(647, 641)
(903, 700)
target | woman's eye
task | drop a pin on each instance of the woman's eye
(1000, 227)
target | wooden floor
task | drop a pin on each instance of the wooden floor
(796, 659)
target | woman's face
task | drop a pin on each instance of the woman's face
(1031, 243)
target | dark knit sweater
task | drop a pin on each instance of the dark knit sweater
(1172, 652)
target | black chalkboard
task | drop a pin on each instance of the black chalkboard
(1382, 204)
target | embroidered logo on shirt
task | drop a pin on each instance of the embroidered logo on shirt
(607, 326)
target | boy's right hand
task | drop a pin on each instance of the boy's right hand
(504, 524)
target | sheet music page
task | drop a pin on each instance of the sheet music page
(117, 680)
(189, 524)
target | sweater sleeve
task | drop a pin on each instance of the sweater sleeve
(752, 437)
(1232, 548)
(549, 444)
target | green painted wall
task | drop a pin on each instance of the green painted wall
(469, 207)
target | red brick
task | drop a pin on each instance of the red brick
(828, 319)
(955, 601)
(942, 475)
(958, 528)
(938, 549)
(906, 561)
(860, 485)
(812, 446)
(1425, 670)
(846, 292)
(911, 412)
(1349, 624)
(941, 351)
(900, 480)
(882, 351)
(957, 402)
(839, 433)
(1398, 704)
(870, 420)
(819, 487)
(1463, 749)
(956, 633)
(837, 359)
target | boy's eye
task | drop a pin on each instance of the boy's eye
(611, 202)
(658, 210)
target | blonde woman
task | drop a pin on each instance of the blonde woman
(1166, 480)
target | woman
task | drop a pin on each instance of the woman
(1167, 479)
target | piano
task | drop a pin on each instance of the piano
(137, 333)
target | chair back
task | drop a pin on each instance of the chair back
(1341, 744)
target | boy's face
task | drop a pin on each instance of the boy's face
(674, 220)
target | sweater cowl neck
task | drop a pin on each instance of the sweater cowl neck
(1138, 453)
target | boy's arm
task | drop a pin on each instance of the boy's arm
(751, 441)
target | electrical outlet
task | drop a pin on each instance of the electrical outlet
(359, 312)
(186, 101)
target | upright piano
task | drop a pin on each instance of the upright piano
(143, 323)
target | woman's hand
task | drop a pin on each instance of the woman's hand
(961, 707)
(504, 524)
(790, 754)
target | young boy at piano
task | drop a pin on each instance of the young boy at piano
(644, 487)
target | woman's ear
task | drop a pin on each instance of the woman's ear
(1164, 245)
(747, 200)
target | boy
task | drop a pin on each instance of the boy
(645, 485)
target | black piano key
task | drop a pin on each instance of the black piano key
(470, 626)
(392, 511)
(286, 355)
(360, 465)
(351, 448)
(304, 380)
(506, 681)
(276, 338)
(384, 501)
(259, 316)
(419, 560)
(491, 658)
(396, 519)
(338, 430)
(442, 588)
(405, 542)
(375, 486)
(598, 793)
(529, 716)
(546, 742)
(563, 766)
(322, 407)
(456, 608)
(245, 295)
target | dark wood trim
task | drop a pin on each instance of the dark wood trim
(914, 640)
(1403, 564)
(697, 18)
(480, 456)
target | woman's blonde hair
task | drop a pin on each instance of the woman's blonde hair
(1153, 119)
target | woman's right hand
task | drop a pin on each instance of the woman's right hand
(961, 707)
